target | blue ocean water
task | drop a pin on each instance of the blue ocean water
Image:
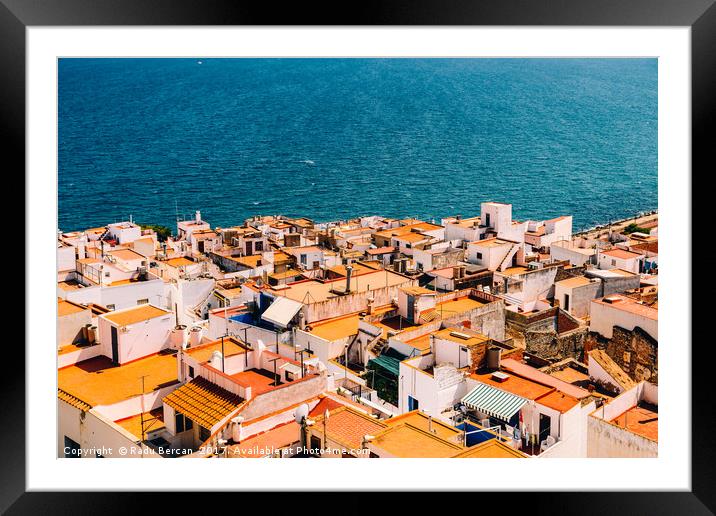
(336, 138)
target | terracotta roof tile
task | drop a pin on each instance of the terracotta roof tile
(203, 402)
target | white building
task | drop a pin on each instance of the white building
(620, 259)
(124, 232)
(134, 333)
(493, 253)
(625, 312)
(627, 426)
(186, 227)
(566, 250)
(542, 234)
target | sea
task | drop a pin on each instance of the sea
(330, 139)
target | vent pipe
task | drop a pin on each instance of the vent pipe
(349, 270)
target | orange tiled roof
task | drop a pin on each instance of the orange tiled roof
(323, 405)
(266, 443)
(203, 402)
(348, 426)
(73, 400)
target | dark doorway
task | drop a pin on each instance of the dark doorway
(115, 346)
(545, 427)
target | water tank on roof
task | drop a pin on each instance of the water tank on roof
(195, 336)
(493, 358)
(179, 337)
(217, 360)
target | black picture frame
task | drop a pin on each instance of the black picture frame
(700, 15)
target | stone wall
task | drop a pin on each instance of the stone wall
(551, 345)
(551, 334)
(488, 319)
(636, 352)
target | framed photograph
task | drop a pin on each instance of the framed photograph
(418, 235)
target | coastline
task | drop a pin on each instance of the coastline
(617, 225)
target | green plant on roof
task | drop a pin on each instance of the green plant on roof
(162, 232)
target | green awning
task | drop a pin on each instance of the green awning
(388, 363)
(493, 402)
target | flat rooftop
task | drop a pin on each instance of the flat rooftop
(456, 306)
(492, 449)
(98, 381)
(516, 385)
(69, 308)
(423, 422)
(260, 380)
(571, 375)
(407, 441)
(312, 291)
(627, 304)
(153, 421)
(474, 338)
(69, 285)
(576, 281)
(135, 314)
(490, 242)
(421, 343)
(513, 271)
(641, 420)
(202, 353)
(178, 262)
(622, 254)
(342, 327)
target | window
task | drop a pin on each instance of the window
(142, 301)
(303, 259)
(106, 274)
(259, 246)
(182, 423)
(191, 372)
(412, 403)
(614, 263)
(72, 449)
(204, 434)
(110, 307)
(566, 302)
(478, 256)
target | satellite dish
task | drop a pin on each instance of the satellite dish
(301, 413)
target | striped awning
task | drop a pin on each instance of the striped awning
(493, 402)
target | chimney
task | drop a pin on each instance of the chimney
(198, 216)
(349, 270)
